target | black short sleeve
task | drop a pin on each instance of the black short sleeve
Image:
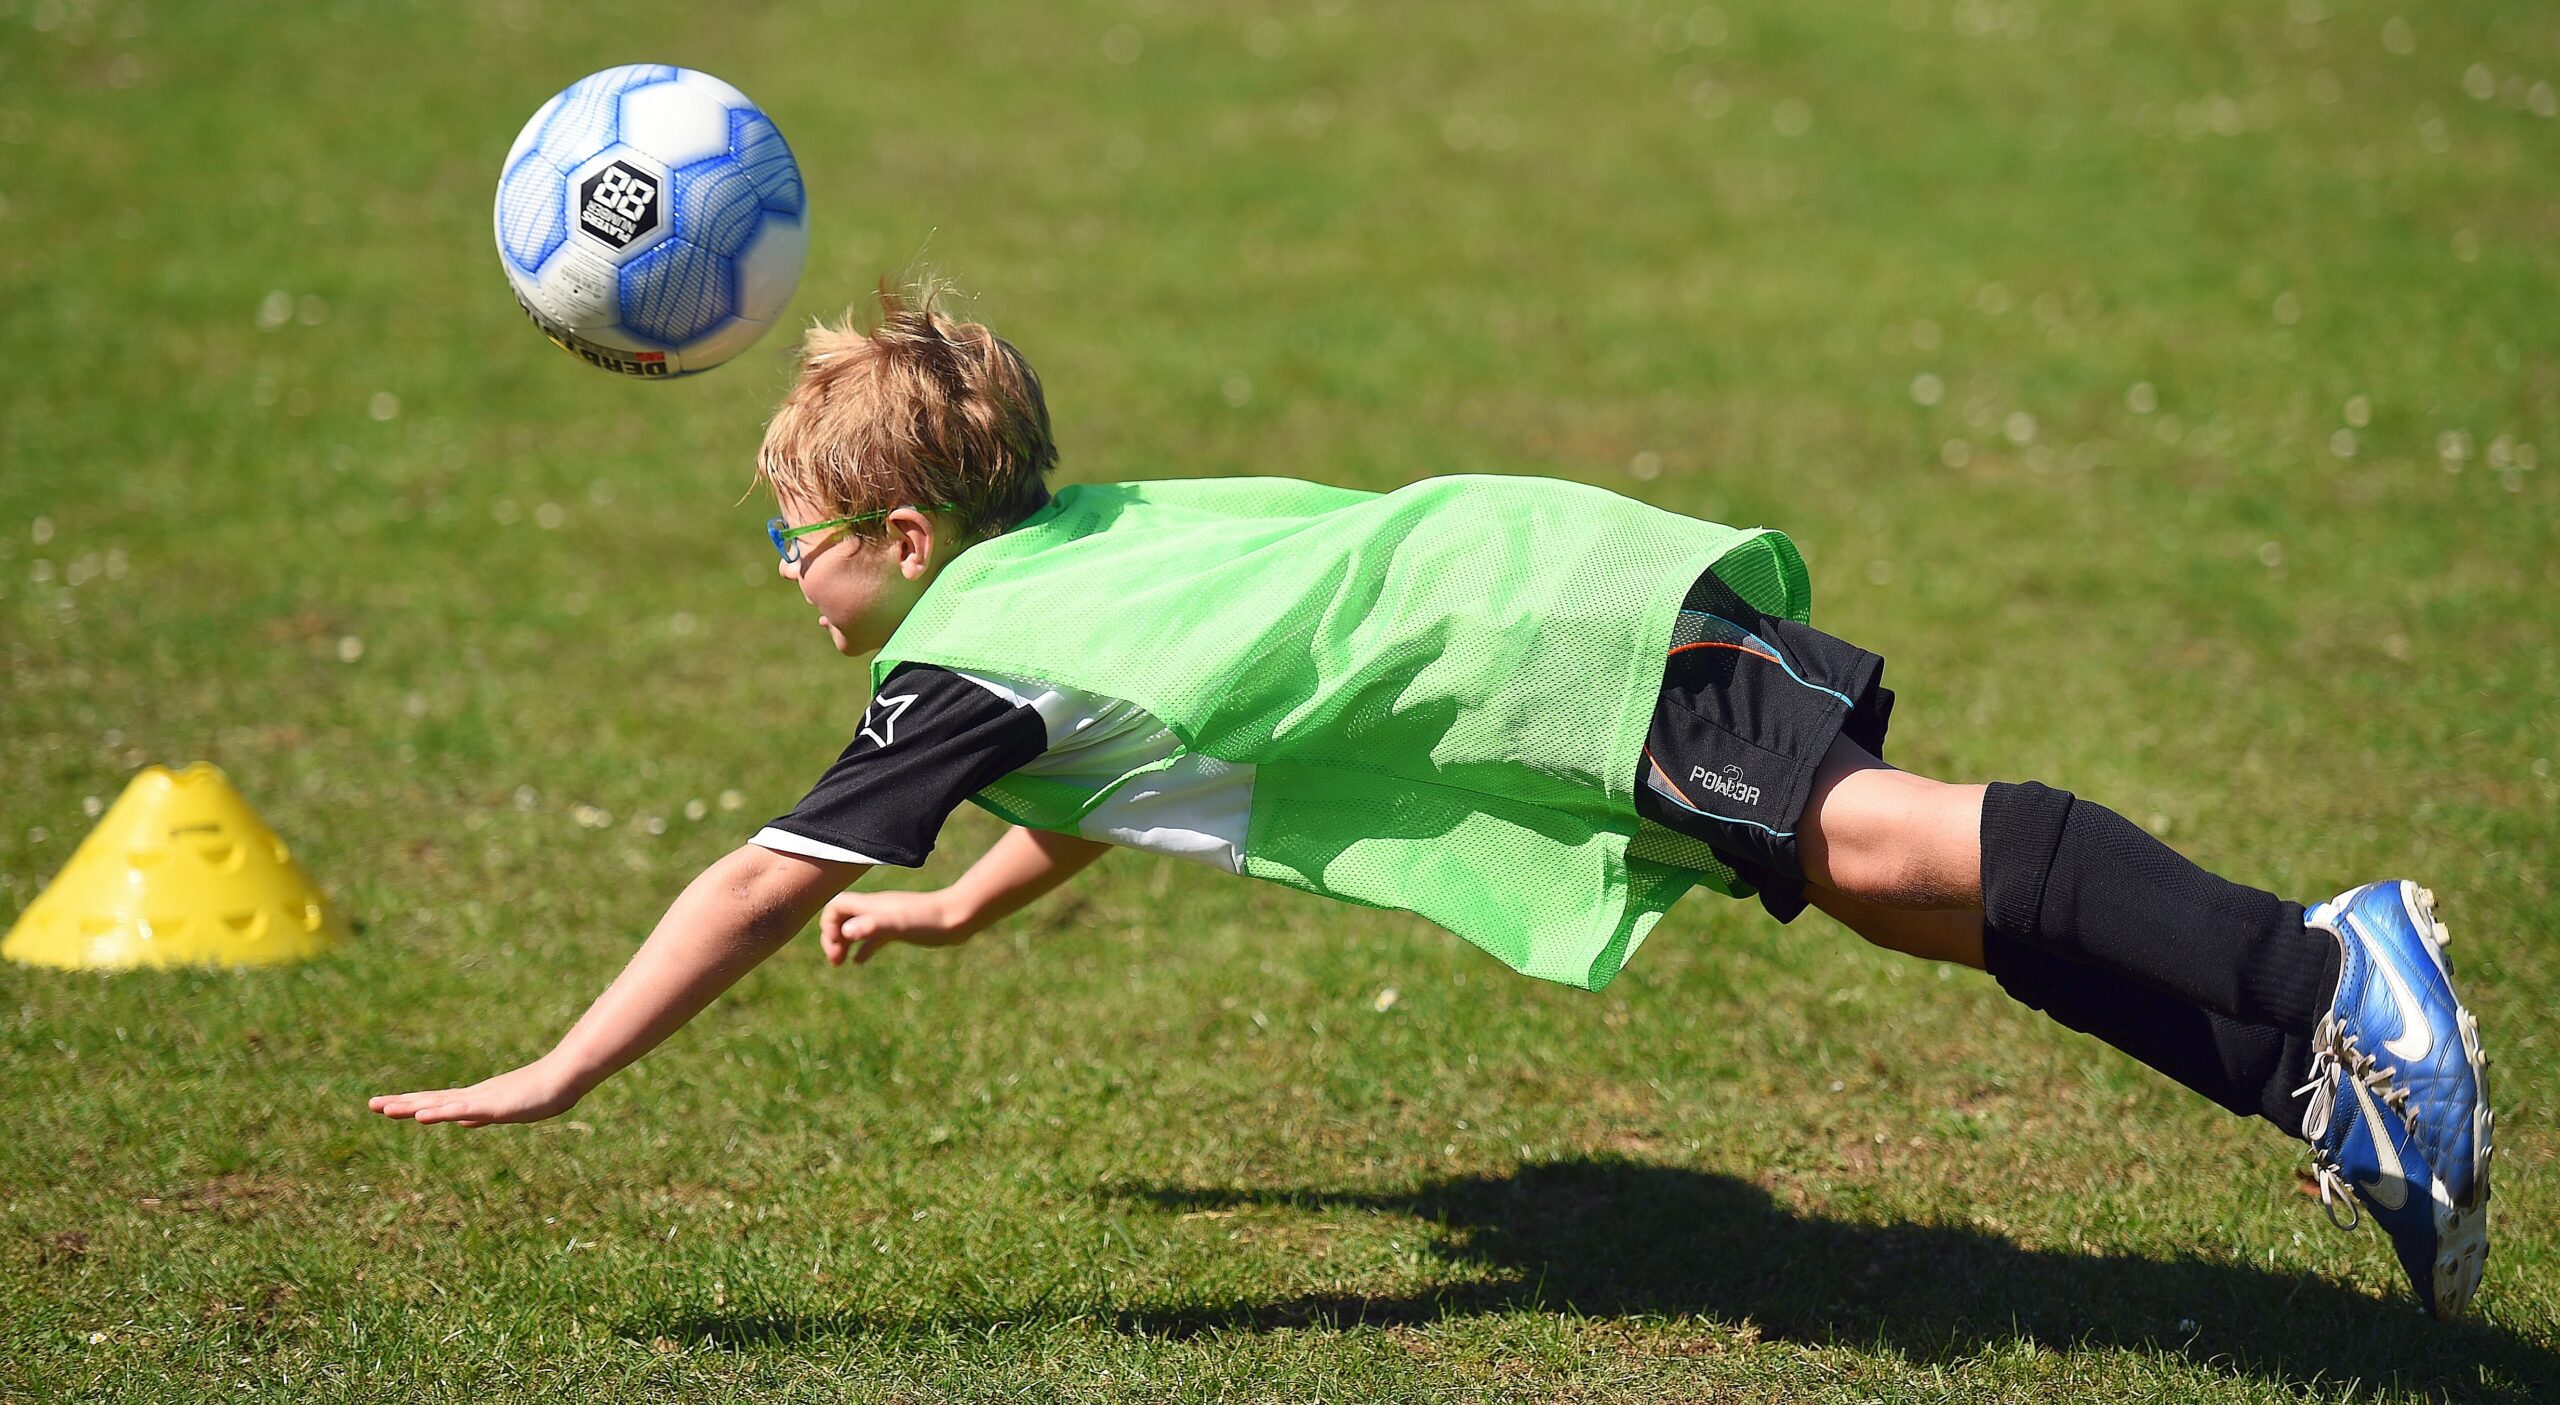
(929, 740)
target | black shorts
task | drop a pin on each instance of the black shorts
(1749, 704)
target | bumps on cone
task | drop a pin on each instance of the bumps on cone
(179, 872)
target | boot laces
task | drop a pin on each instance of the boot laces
(2336, 1057)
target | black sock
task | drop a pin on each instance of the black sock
(2251, 1069)
(2079, 881)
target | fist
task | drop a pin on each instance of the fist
(859, 924)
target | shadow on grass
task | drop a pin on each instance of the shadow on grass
(1606, 1238)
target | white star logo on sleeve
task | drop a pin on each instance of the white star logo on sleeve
(888, 711)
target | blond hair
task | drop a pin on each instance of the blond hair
(912, 409)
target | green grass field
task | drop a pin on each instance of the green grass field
(2168, 389)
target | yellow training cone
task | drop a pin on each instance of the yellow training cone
(180, 872)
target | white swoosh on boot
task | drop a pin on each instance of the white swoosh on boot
(2392, 1190)
(2416, 1034)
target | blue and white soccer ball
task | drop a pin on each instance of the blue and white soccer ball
(651, 220)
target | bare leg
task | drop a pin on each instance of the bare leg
(1940, 934)
(1891, 839)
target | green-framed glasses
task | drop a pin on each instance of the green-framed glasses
(786, 539)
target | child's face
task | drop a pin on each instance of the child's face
(862, 587)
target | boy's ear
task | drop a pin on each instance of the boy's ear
(913, 532)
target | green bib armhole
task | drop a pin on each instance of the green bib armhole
(1766, 569)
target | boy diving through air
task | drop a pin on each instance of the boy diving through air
(1531, 711)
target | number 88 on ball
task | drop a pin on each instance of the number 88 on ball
(652, 221)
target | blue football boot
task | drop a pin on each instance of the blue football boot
(2363, 1152)
(2399, 1090)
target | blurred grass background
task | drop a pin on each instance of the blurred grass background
(2161, 387)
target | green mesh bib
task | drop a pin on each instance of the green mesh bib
(1443, 690)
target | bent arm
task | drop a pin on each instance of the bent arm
(1016, 871)
(741, 910)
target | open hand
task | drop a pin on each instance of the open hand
(527, 1094)
(860, 924)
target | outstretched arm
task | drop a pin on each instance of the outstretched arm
(738, 912)
(1014, 872)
